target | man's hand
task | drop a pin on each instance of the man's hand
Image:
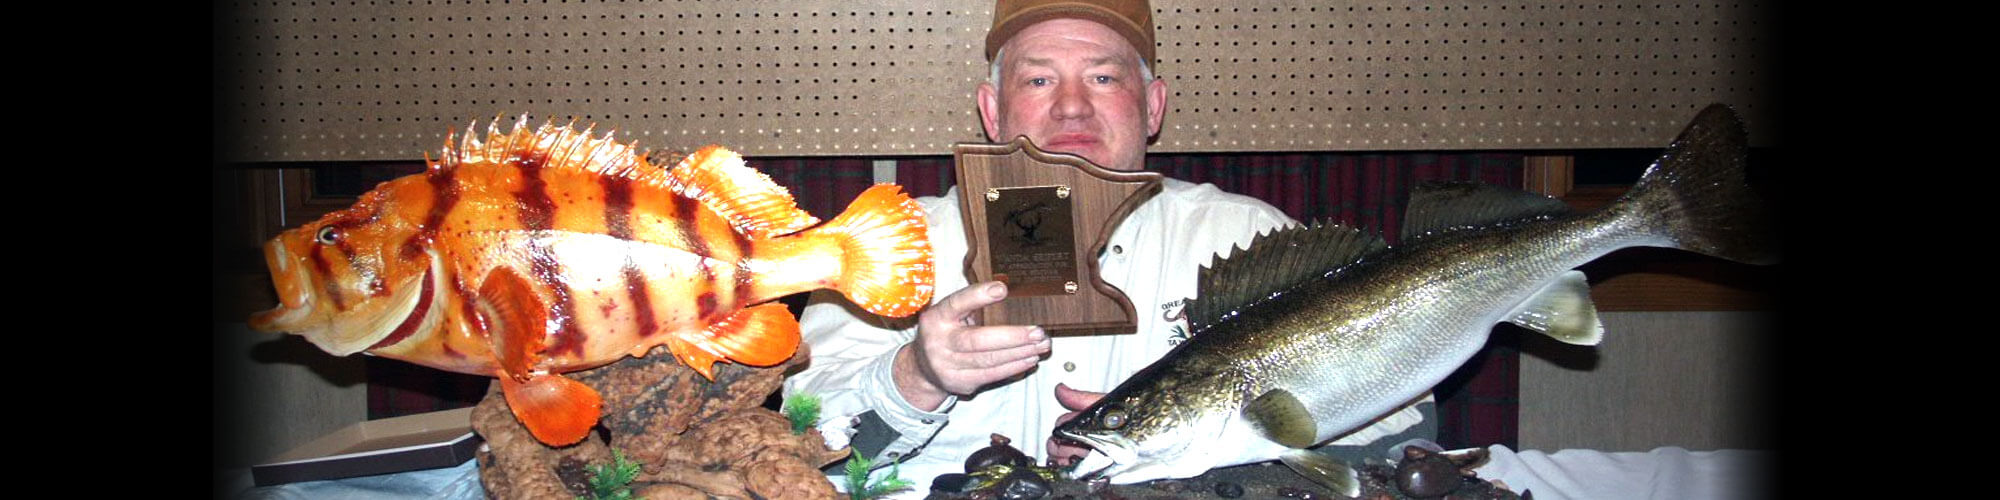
(1064, 452)
(950, 356)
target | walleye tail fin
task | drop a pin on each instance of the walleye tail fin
(885, 252)
(1696, 195)
(763, 335)
(1325, 470)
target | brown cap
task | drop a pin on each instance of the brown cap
(1132, 18)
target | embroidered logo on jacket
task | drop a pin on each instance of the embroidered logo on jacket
(1175, 314)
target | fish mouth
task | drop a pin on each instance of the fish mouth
(295, 307)
(342, 333)
(1110, 453)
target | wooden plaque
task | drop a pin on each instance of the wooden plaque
(1038, 221)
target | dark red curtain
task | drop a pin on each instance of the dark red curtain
(822, 186)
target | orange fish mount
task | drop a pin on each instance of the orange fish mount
(541, 252)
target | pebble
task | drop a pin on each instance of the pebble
(1228, 489)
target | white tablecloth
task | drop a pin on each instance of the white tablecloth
(1662, 474)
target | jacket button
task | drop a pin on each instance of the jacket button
(1069, 366)
(1118, 249)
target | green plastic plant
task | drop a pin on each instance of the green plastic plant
(612, 481)
(803, 410)
(857, 480)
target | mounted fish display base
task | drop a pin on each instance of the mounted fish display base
(693, 438)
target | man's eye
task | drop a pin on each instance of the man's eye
(1104, 79)
(1038, 82)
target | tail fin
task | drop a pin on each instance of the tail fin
(886, 252)
(1695, 193)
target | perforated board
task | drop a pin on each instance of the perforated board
(387, 80)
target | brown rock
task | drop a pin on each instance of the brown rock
(669, 492)
(778, 480)
(695, 438)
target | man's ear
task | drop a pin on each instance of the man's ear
(989, 111)
(1156, 105)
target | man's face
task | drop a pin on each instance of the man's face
(1074, 86)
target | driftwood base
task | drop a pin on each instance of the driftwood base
(696, 439)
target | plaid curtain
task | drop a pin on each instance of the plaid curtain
(929, 176)
(822, 186)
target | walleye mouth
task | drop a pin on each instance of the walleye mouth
(1107, 450)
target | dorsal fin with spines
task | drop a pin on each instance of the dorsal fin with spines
(748, 198)
(1442, 207)
(1274, 263)
(715, 176)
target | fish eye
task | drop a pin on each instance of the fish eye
(328, 235)
(1114, 419)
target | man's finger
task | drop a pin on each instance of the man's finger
(959, 304)
(1074, 399)
(996, 338)
(1029, 353)
(1003, 371)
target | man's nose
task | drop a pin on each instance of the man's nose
(1072, 101)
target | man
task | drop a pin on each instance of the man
(1074, 77)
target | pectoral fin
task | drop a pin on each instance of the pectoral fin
(1562, 310)
(1282, 418)
(1324, 470)
(557, 411)
(514, 321)
(758, 336)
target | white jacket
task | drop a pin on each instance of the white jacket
(1153, 257)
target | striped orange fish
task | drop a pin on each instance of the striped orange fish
(540, 252)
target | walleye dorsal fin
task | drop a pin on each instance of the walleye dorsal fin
(1273, 263)
(1562, 310)
(1281, 418)
(1437, 207)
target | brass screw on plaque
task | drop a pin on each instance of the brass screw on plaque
(1069, 287)
(992, 195)
(1062, 192)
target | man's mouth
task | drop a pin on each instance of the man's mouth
(1066, 142)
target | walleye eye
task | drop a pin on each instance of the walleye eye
(1114, 419)
(328, 235)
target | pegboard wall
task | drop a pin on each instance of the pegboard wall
(387, 80)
